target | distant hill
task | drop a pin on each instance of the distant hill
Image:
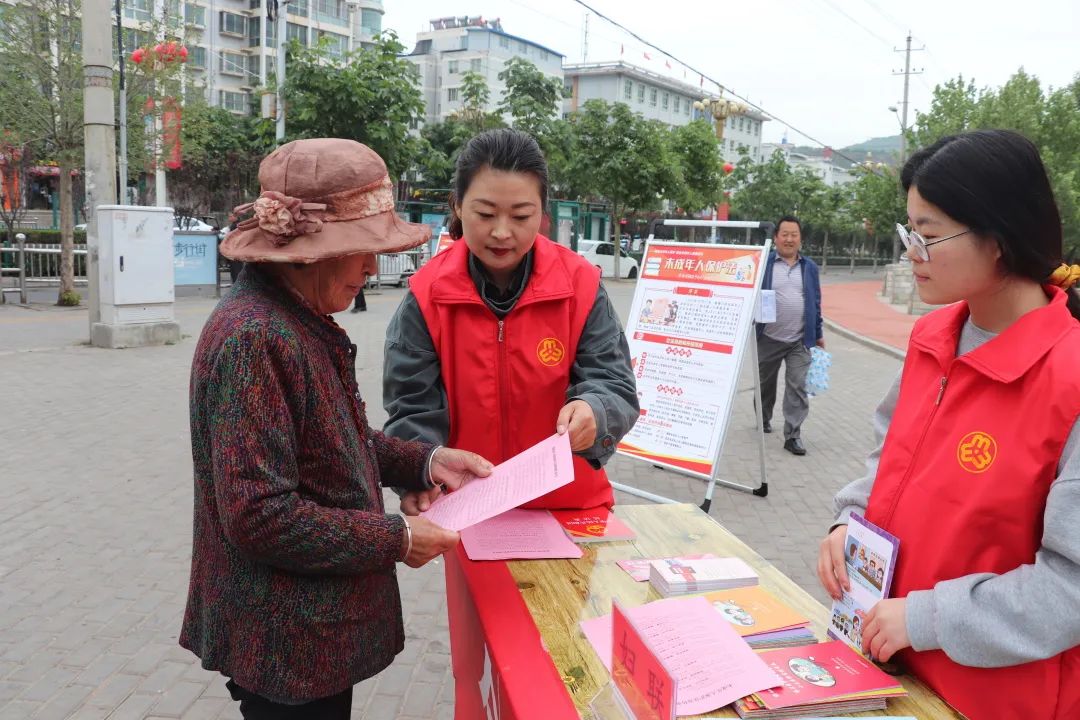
(882, 149)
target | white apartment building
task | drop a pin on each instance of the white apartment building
(657, 97)
(822, 166)
(231, 46)
(458, 45)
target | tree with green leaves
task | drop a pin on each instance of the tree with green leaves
(1049, 118)
(531, 98)
(474, 101)
(41, 94)
(697, 152)
(770, 189)
(221, 154)
(370, 95)
(624, 159)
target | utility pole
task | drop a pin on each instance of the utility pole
(99, 131)
(280, 17)
(585, 41)
(122, 110)
(907, 73)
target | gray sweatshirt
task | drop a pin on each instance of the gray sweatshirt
(985, 619)
(415, 398)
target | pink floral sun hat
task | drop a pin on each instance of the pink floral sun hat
(321, 198)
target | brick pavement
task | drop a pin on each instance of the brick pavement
(95, 518)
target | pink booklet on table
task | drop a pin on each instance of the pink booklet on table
(638, 568)
(712, 665)
(518, 535)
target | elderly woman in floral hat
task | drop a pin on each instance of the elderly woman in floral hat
(293, 591)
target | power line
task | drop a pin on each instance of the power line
(864, 28)
(718, 84)
(885, 15)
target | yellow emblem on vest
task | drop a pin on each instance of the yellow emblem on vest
(550, 351)
(977, 452)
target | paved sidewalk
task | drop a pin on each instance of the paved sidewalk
(96, 498)
(860, 309)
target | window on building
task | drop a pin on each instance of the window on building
(451, 67)
(686, 107)
(640, 93)
(232, 24)
(233, 63)
(236, 102)
(371, 21)
(254, 28)
(677, 101)
(253, 67)
(757, 127)
(330, 11)
(301, 8)
(141, 10)
(544, 55)
(504, 42)
(474, 65)
(523, 48)
(336, 45)
(665, 101)
(197, 58)
(451, 94)
(742, 125)
(299, 33)
(628, 90)
(195, 15)
(652, 96)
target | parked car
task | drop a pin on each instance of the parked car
(602, 255)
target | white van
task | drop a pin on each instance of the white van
(602, 255)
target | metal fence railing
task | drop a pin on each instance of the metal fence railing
(36, 265)
(396, 268)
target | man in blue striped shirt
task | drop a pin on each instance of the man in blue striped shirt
(798, 327)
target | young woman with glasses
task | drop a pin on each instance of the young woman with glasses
(978, 465)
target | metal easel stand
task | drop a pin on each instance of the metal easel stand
(761, 490)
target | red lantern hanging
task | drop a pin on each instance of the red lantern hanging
(728, 167)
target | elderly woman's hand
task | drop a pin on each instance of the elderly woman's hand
(452, 468)
(428, 541)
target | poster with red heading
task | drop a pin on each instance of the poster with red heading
(689, 324)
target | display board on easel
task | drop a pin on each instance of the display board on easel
(690, 326)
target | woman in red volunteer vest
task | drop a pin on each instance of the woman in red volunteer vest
(979, 470)
(507, 337)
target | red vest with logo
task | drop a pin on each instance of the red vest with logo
(506, 380)
(970, 455)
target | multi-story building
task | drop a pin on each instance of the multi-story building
(822, 165)
(657, 97)
(455, 46)
(233, 48)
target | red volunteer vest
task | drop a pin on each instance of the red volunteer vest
(506, 380)
(971, 452)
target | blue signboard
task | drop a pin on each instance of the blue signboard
(195, 258)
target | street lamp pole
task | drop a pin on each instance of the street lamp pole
(721, 109)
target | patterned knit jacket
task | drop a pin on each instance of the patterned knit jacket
(293, 589)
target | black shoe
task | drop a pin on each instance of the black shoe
(794, 446)
(766, 427)
(359, 309)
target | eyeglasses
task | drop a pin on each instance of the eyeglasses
(912, 239)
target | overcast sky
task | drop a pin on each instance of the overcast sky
(822, 66)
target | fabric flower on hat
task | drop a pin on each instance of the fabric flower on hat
(274, 214)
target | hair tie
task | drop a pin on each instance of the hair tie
(1065, 276)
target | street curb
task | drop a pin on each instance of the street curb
(863, 340)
